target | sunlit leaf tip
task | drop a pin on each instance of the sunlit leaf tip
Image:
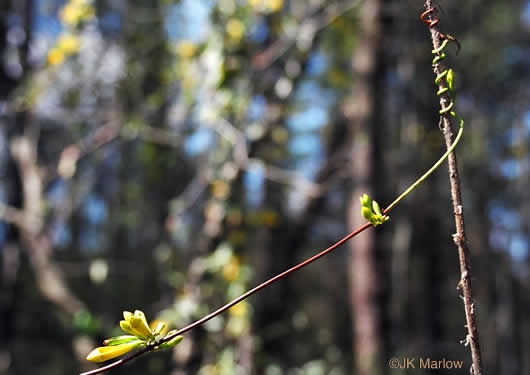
(105, 353)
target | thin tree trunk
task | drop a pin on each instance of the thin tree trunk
(362, 112)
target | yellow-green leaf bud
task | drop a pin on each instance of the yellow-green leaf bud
(126, 326)
(367, 214)
(159, 328)
(119, 340)
(376, 208)
(139, 324)
(171, 343)
(127, 315)
(105, 353)
(366, 201)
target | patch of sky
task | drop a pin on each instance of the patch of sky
(514, 136)
(392, 79)
(4, 147)
(95, 209)
(500, 215)
(310, 91)
(3, 235)
(308, 167)
(56, 191)
(256, 108)
(498, 239)
(254, 179)
(511, 168)
(90, 239)
(199, 141)
(259, 32)
(62, 236)
(305, 144)
(514, 55)
(110, 22)
(45, 17)
(309, 120)
(519, 247)
(188, 20)
(317, 63)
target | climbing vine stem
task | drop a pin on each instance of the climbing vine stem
(446, 92)
(447, 87)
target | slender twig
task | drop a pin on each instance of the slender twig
(229, 304)
(460, 237)
(238, 140)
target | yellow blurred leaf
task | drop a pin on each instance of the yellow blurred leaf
(186, 48)
(235, 29)
(69, 43)
(239, 310)
(56, 57)
(232, 269)
(70, 14)
(266, 5)
(220, 189)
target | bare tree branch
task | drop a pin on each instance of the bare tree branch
(238, 139)
(37, 244)
(12, 215)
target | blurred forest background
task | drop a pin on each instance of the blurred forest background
(169, 155)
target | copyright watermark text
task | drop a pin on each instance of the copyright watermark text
(424, 363)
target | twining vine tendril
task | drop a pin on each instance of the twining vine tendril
(433, 21)
(448, 88)
(448, 74)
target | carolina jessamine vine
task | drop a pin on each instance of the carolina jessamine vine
(151, 338)
(140, 335)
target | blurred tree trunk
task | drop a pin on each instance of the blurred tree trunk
(363, 112)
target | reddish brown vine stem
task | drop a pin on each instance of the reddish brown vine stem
(229, 304)
(460, 237)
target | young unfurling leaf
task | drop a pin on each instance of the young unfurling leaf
(126, 326)
(376, 208)
(139, 324)
(159, 328)
(451, 82)
(105, 353)
(119, 340)
(171, 343)
(371, 211)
